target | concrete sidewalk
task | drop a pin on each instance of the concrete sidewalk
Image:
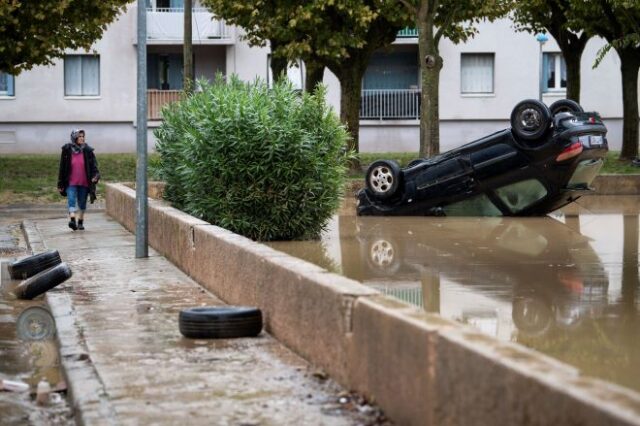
(127, 363)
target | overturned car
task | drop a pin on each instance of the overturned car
(547, 159)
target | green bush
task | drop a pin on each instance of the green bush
(265, 163)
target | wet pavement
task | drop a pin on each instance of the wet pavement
(566, 285)
(28, 350)
(142, 371)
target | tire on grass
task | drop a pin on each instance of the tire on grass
(220, 322)
(43, 281)
(30, 266)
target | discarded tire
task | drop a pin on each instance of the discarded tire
(30, 266)
(43, 281)
(221, 322)
(35, 323)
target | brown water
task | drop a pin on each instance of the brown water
(566, 285)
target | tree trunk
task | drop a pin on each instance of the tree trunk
(187, 51)
(430, 66)
(350, 93)
(572, 58)
(313, 77)
(630, 64)
(278, 64)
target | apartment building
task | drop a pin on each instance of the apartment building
(480, 83)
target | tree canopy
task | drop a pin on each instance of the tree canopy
(555, 17)
(338, 34)
(35, 32)
(435, 19)
(618, 22)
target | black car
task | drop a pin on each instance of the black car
(547, 159)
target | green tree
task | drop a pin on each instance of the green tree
(35, 32)
(618, 22)
(337, 34)
(554, 16)
(435, 19)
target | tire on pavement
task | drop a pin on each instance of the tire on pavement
(30, 266)
(383, 178)
(220, 322)
(43, 281)
(565, 105)
(530, 119)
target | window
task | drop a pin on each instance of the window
(518, 196)
(294, 74)
(554, 75)
(397, 70)
(476, 73)
(7, 87)
(480, 205)
(82, 75)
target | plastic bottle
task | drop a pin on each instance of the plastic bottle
(13, 386)
(43, 392)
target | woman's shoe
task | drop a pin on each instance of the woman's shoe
(80, 225)
(72, 223)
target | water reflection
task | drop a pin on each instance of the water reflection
(35, 323)
(536, 281)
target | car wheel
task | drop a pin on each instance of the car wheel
(565, 105)
(530, 119)
(383, 178)
(35, 323)
(220, 322)
(43, 281)
(531, 316)
(383, 255)
(29, 266)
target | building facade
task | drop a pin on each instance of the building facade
(480, 83)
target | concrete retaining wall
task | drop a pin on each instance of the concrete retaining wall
(420, 368)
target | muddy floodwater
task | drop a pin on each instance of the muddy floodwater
(566, 285)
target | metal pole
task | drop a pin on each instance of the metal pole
(142, 249)
(541, 38)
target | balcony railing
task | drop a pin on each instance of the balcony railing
(167, 24)
(390, 104)
(407, 33)
(156, 99)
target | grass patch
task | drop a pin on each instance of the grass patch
(33, 178)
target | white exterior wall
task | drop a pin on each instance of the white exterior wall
(39, 118)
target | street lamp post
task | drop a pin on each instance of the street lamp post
(142, 248)
(542, 38)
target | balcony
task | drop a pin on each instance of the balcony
(156, 99)
(407, 33)
(166, 26)
(390, 104)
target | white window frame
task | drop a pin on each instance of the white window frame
(492, 55)
(82, 95)
(5, 94)
(557, 87)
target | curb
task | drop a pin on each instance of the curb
(419, 368)
(87, 394)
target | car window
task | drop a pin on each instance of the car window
(479, 205)
(520, 195)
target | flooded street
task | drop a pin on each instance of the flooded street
(28, 351)
(565, 285)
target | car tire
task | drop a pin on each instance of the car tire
(35, 323)
(530, 119)
(43, 281)
(565, 105)
(383, 178)
(30, 266)
(220, 322)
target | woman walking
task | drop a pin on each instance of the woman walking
(77, 177)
